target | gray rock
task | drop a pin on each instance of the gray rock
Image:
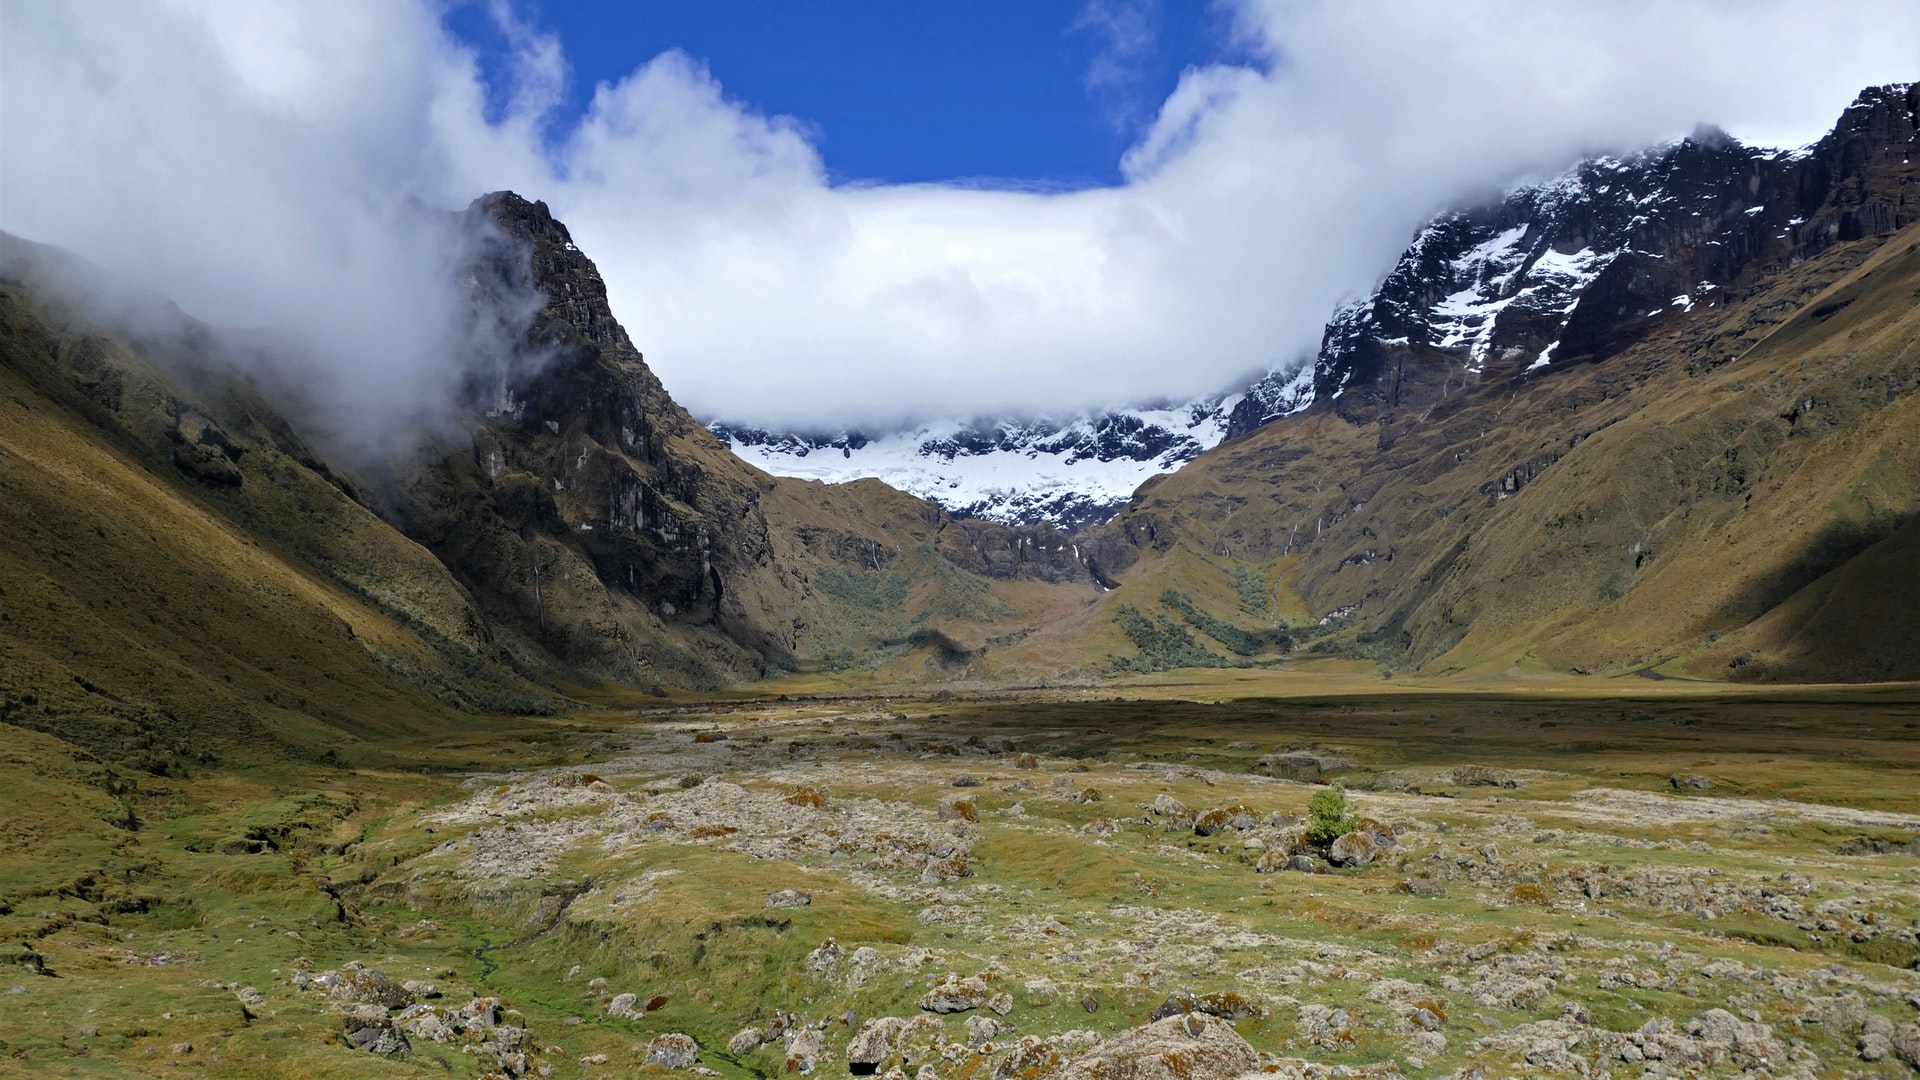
(672, 1051)
(954, 994)
(1354, 849)
(375, 1035)
(745, 1041)
(1192, 1046)
(789, 898)
(876, 1041)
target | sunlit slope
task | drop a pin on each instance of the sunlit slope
(1730, 493)
(146, 613)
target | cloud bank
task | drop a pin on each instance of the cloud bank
(264, 166)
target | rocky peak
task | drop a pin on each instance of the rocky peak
(1576, 267)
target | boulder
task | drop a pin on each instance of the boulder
(1192, 1046)
(1354, 849)
(745, 1041)
(375, 1035)
(876, 1041)
(954, 994)
(790, 898)
(672, 1051)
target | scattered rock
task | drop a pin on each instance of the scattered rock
(672, 1051)
(375, 1034)
(804, 1047)
(1354, 849)
(1192, 1046)
(1483, 776)
(877, 1040)
(954, 994)
(789, 898)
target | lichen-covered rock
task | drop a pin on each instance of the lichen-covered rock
(790, 898)
(745, 1041)
(940, 871)
(364, 986)
(673, 1050)
(624, 1006)
(375, 1035)
(876, 1041)
(954, 994)
(804, 1047)
(1354, 849)
(1192, 1046)
(984, 1029)
(1173, 813)
(1484, 776)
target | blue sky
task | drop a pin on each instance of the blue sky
(1043, 92)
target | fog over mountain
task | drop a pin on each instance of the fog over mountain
(282, 171)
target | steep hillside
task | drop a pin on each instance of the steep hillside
(189, 573)
(1725, 482)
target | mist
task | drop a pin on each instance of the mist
(292, 168)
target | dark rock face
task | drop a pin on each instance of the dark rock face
(1581, 266)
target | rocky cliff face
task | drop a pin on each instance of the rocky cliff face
(1581, 266)
(614, 531)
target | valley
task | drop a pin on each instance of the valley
(1667, 876)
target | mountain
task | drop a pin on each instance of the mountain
(1068, 473)
(1582, 265)
(1654, 414)
(193, 564)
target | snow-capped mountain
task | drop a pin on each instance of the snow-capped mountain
(1072, 473)
(1554, 272)
(1579, 265)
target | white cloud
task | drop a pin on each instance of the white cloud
(250, 161)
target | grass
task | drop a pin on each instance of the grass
(350, 866)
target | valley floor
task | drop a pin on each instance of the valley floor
(1662, 878)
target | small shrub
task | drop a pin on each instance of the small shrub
(1329, 818)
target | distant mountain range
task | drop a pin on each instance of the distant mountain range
(1554, 271)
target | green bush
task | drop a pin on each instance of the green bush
(1328, 816)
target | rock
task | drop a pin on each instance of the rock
(1172, 810)
(624, 1006)
(364, 986)
(251, 997)
(940, 871)
(789, 898)
(1026, 761)
(1423, 886)
(982, 1029)
(420, 989)
(1683, 781)
(1354, 849)
(672, 1051)
(745, 1041)
(182, 1048)
(375, 1035)
(1748, 1042)
(1427, 1043)
(876, 1041)
(1225, 1004)
(1482, 776)
(1906, 1044)
(954, 994)
(1237, 818)
(1030, 1057)
(804, 1047)
(1275, 859)
(959, 810)
(966, 781)
(1188, 1047)
(1001, 1003)
(1424, 1018)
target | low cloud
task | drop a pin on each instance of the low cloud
(258, 165)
